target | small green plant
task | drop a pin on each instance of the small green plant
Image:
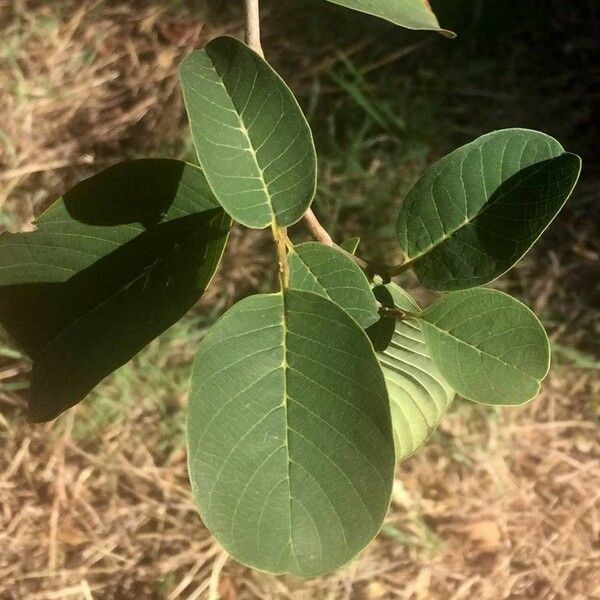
(304, 399)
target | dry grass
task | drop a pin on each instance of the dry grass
(502, 504)
(85, 85)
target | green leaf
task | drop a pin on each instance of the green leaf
(329, 272)
(412, 14)
(252, 140)
(419, 395)
(290, 446)
(477, 211)
(350, 245)
(490, 347)
(112, 264)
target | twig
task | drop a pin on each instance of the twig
(253, 26)
(253, 40)
(280, 234)
(321, 235)
(318, 231)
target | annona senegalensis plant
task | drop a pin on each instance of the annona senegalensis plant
(302, 400)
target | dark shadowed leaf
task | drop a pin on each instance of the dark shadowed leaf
(112, 264)
(251, 137)
(382, 331)
(290, 445)
(477, 211)
(419, 395)
(489, 346)
(329, 272)
(412, 14)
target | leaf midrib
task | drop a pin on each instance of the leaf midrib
(244, 129)
(285, 367)
(483, 352)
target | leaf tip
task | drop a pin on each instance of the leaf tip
(447, 33)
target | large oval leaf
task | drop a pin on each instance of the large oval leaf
(115, 262)
(291, 452)
(331, 273)
(412, 14)
(251, 137)
(490, 347)
(419, 395)
(477, 211)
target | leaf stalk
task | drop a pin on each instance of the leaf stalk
(280, 238)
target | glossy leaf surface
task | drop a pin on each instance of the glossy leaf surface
(252, 140)
(329, 272)
(419, 395)
(290, 446)
(477, 211)
(112, 264)
(489, 346)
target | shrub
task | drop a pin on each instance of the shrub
(304, 399)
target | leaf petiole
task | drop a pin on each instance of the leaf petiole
(281, 240)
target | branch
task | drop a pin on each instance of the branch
(318, 231)
(253, 26)
(321, 235)
(253, 41)
(279, 233)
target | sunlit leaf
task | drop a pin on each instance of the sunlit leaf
(489, 347)
(412, 14)
(112, 264)
(419, 395)
(477, 211)
(291, 451)
(329, 272)
(251, 137)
